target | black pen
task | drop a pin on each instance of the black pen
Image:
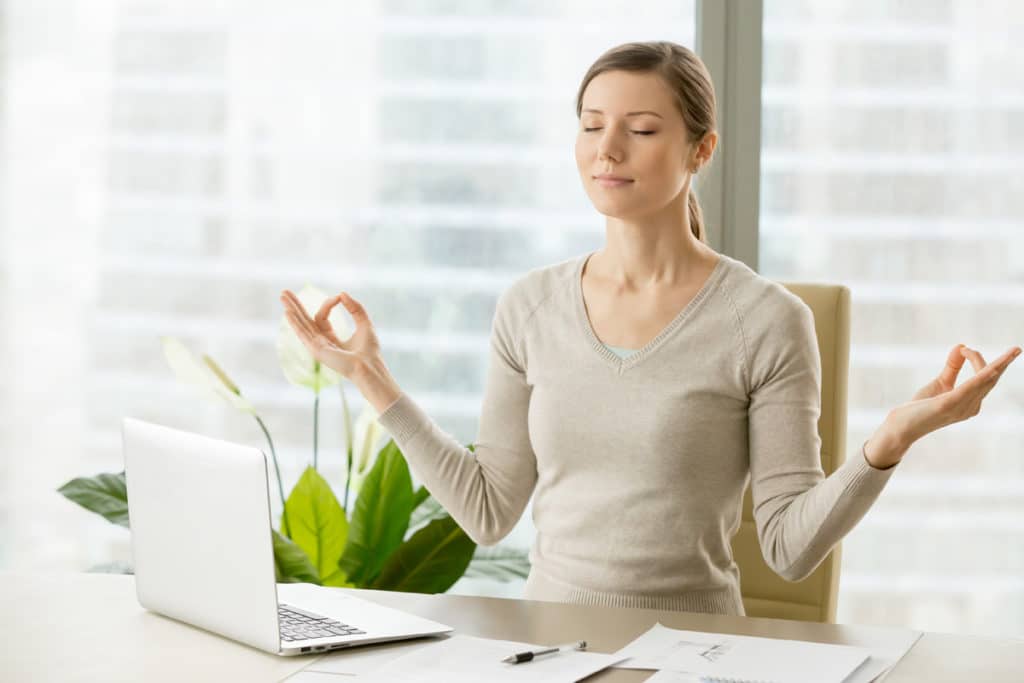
(527, 656)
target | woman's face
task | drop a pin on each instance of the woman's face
(650, 149)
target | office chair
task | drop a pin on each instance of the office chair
(765, 593)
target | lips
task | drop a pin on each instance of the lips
(612, 181)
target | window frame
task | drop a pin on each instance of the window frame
(729, 41)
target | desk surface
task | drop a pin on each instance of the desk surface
(102, 634)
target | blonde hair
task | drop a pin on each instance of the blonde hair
(687, 78)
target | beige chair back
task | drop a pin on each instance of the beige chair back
(765, 593)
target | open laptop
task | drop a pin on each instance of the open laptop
(203, 552)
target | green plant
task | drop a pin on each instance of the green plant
(394, 537)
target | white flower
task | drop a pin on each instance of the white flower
(367, 433)
(297, 362)
(207, 377)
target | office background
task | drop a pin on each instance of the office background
(168, 167)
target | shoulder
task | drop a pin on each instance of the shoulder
(519, 302)
(531, 290)
(776, 326)
(763, 305)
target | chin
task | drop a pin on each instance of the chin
(615, 210)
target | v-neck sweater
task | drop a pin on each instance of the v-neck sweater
(637, 466)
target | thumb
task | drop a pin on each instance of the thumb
(355, 309)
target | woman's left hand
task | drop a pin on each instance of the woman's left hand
(937, 404)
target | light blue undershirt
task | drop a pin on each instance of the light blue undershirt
(619, 351)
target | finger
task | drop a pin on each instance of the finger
(1002, 362)
(292, 300)
(303, 330)
(291, 303)
(355, 309)
(977, 360)
(331, 356)
(312, 328)
(296, 312)
(325, 310)
(954, 362)
(296, 325)
(322, 318)
(323, 321)
(1008, 357)
(985, 379)
(305, 323)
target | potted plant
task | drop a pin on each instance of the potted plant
(393, 537)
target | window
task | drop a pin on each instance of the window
(172, 166)
(891, 163)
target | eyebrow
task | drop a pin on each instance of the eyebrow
(632, 113)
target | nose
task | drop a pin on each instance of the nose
(608, 146)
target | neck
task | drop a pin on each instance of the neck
(654, 251)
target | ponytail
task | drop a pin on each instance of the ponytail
(696, 217)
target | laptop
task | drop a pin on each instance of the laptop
(203, 551)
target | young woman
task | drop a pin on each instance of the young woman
(634, 390)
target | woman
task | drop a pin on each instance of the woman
(632, 390)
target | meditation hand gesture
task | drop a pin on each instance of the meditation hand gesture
(937, 404)
(357, 358)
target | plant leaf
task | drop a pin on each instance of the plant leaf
(430, 562)
(104, 494)
(501, 563)
(424, 513)
(317, 521)
(291, 564)
(381, 516)
(338, 580)
(421, 495)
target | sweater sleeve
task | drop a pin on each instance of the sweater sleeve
(800, 514)
(485, 490)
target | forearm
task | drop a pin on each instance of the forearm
(801, 536)
(375, 383)
(484, 490)
(801, 517)
(886, 447)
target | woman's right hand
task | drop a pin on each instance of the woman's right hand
(349, 357)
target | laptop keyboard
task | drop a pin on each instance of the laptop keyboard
(297, 624)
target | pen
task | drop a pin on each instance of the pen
(520, 657)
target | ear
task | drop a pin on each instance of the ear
(706, 148)
(702, 151)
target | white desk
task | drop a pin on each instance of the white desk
(89, 627)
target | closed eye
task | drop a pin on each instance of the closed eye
(638, 132)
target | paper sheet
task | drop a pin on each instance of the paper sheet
(350, 665)
(659, 677)
(742, 657)
(883, 657)
(465, 659)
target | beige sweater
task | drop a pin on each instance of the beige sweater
(638, 465)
